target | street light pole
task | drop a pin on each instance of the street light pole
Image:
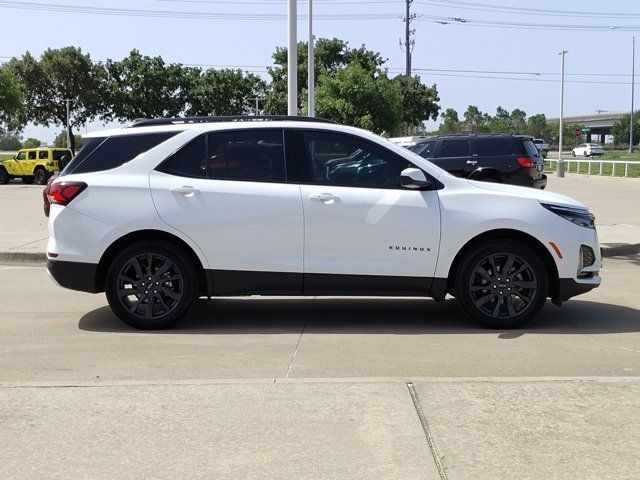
(560, 170)
(633, 79)
(292, 61)
(67, 101)
(311, 87)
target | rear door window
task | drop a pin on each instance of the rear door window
(255, 155)
(43, 155)
(455, 148)
(189, 161)
(31, 155)
(114, 151)
(493, 147)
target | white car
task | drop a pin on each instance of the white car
(587, 150)
(166, 211)
(541, 144)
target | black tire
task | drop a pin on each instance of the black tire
(40, 176)
(154, 304)
(4, 176)
(27, 180)
(497, 298)
(585, 153)
(573, 153)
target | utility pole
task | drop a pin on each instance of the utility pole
(408, 33)
(311, 86)
(560, 170)
(292, 61)
(633, 80)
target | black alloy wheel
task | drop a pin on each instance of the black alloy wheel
(151, 285)
(502, 285)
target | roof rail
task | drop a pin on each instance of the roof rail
(145, 122)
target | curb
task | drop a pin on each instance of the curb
(627, 249)
(23, 258)
(28, 258)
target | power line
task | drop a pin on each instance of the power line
(175, 14)
(520, 10)
(521, 25)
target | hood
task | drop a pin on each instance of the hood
(543, 196)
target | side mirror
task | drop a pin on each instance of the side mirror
(414, 179)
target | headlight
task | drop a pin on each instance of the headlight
(579, 216)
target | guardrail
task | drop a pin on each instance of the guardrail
(589, 169)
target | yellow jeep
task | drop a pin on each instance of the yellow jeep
(33, 165)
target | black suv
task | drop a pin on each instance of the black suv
(491, 157)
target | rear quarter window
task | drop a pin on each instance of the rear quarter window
(100, 154)
(531, 149)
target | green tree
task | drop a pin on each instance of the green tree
(517, 121)
(569, 138)
(11, 98)
(61, 74)
(419, 102)
(10, 141)
(31, 143)
(354, 97)
(536, 125)
(475, 121)
(146, 87)
(224, 92)
(620, 130)
(61, 140)
(450, 122)
(330, 55)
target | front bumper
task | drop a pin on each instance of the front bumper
(569, 288)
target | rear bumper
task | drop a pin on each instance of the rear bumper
(540, 183)
(73, 275)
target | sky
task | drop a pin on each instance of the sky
(456, 55)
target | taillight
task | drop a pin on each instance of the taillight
(62, 193)
(527, 162)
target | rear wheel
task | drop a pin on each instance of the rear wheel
(585, 153)
(27, 180)
(4, 176)
(151, 284)
(40, 176)
(502, 285)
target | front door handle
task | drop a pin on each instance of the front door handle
(324, 198)
(185, 190)
(472, 162)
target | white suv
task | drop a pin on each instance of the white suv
(166, 211)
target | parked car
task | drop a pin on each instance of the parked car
(541, 145)
(497, 158)
(587, 150)
(169, 210)
(409, 141)
(32, 165)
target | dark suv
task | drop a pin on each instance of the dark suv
(499, 158)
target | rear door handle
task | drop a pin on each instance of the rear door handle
(324, 198)
(185, 190)
(471, 162)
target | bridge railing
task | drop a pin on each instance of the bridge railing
(613, 168)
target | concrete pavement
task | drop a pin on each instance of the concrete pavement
(318, 388)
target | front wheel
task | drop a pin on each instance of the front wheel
(573, 153)
(501, 285)
(4, 176)
(151, 284)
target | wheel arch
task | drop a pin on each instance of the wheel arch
(204, 277)
(485, 172)
(507, 234)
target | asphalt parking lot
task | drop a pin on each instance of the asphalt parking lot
(318, 387)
